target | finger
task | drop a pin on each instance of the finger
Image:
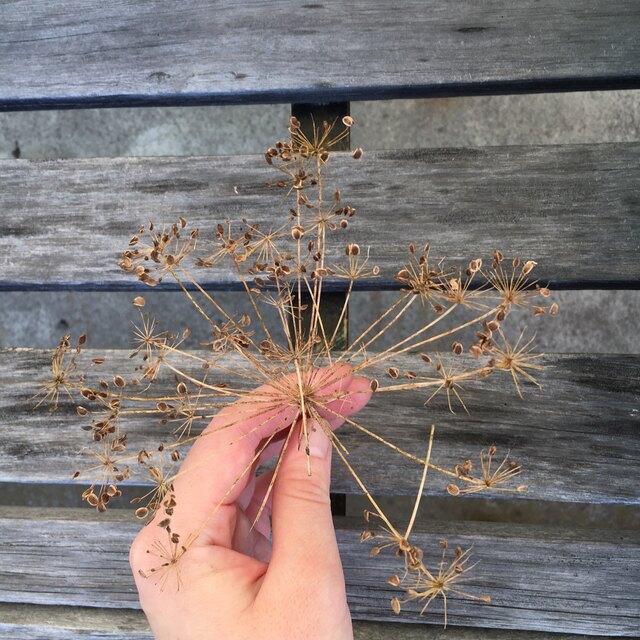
(304, 540)
(260, 504)
(257, 497)
(248, 541)
(220, 463)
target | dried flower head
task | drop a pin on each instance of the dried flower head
(284, 269)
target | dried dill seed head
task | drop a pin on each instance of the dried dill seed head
(284, 271)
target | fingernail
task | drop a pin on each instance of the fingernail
(319, 444)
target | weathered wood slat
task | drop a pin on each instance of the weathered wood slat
(36, 622)
(31, 632)
(538, 578)
(574, 209)
(577, 439)
(36, 632)
(88, 53)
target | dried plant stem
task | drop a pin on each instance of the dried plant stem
(421, 487)
(439, 382)
(361, 484)
(252, 300)
(267, 494)
(391, 351)
(369, 342)
(345, 307)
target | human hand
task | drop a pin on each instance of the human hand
(234, 583)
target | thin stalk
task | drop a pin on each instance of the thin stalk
(422, 481)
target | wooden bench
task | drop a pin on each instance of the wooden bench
(574, 208)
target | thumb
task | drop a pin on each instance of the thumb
(304, 540)
(301, 512)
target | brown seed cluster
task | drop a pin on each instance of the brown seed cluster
(284, 270)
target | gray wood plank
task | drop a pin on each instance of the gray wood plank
(33, 622)
(362, 630)
(539, 579)
(574, 209)
(88, 53)
(49, 632)
(577, 438)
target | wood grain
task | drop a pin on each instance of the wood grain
(539, 578)
(577, 438)
(85, 53)
(574, 209)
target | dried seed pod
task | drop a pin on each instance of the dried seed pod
(367, 535)
(453, 489)
(528, 267)
(347, 121)
(373, 385)
(92, 499)
(394, 581)
(393, 372)
(553, 309)
(119, 382)
(475, 350)
(139, 301)
(457, 348)
(357, 154)
(426, 358)
(395, 605)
